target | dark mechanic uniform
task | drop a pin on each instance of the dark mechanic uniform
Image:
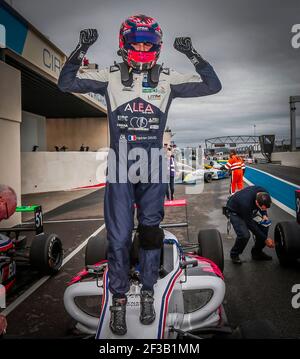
(242, 211)
(137, 117)
(172, 174)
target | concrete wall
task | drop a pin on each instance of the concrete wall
(56, 171)
(73, 132)
(10, 118)
(33, 132)
(258, 155)
(287, 158)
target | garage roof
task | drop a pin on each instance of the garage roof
(42, 96)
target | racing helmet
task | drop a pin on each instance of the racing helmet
(135, 29)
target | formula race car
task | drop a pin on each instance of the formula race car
(188, 175)
(217, 174)
(188, 295)
(45, 252)
(191, 175)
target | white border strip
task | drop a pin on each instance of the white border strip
(276, 202)
(82, 245)
(278, 178)
(40, 282)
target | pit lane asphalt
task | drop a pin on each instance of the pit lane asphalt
(253, 291)
(287, 173)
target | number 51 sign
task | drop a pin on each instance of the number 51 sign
(38, 219)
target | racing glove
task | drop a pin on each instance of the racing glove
(184, 45)
(87, 38)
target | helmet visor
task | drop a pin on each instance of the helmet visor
(143, 36)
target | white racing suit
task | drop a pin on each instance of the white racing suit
(137, 116)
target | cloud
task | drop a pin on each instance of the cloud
(248, 43)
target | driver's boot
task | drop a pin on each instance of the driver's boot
(147, 315)
(117, 322)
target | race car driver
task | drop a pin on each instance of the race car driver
(248, 212)
(138, 93)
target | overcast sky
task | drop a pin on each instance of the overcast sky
(247, 42)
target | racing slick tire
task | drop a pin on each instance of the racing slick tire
(96, 249)
(287, 242)
(211, 247)
(207, 177)
(46, 253)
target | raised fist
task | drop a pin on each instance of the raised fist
(88, 37)
(183, 44)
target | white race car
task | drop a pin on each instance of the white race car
(188, 295)
(190, 175)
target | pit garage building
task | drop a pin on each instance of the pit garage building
(35, 114)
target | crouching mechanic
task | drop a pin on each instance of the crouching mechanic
(138, 93)
(248, 212)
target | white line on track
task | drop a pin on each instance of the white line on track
(278, 178)
(69, 220)
(82, 245)
(41, 281)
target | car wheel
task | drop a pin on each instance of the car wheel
(207, 177)
(46, 253)
(211, 247)
(96, 249)
(287, 242)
